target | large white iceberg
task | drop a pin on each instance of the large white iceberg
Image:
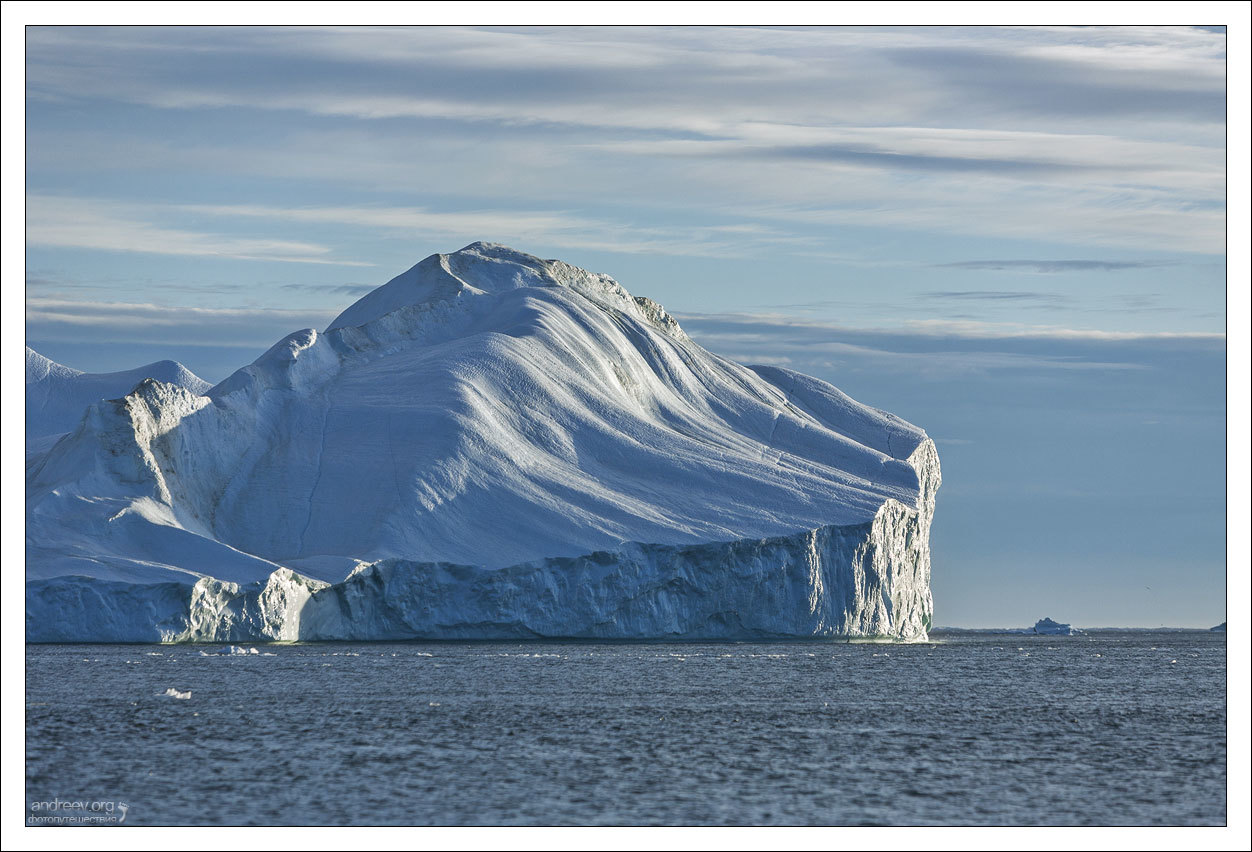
(488, 446)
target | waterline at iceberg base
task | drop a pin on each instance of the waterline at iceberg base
(491, 446)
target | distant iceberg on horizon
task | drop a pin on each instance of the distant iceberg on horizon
(489, 446)
(1048, 627)
(1043, 627)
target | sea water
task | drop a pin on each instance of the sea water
(1101, 729)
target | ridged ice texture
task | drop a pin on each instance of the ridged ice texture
(870, 580)
(515, 447)
(56, 395)
(866, 580)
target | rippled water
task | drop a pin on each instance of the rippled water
(1123, 729)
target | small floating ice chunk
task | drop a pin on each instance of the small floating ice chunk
(174, 693)
(232, 651)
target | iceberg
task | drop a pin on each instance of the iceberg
(1048, 627)
(490, 445)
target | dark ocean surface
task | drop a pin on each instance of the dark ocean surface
(1101, 729)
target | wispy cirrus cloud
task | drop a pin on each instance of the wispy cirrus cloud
(1024, 155)
(606, 77)
(761, 338)
(995, 296)
(129, 227)
(978, 329)
(133, 314)
(771, 323)
(1096, 135)
(562, 228)
(1053, 266)
(84, 321)
(334, 289)
(939, 349)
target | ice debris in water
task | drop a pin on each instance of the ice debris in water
(233, 651)
(174, 693)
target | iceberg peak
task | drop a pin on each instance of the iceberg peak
(39, 367)
(478, 268)
(483, 269)
(57, 396)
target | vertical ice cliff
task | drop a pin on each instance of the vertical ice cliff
(488, 446)
(870, 579)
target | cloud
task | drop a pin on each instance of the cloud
(937, 349)
(845, 155)
(927, 347)
(1097, 79)
(128, 226)
(116, 226)
(805, 130)
(1088, 216)
(336, 289)
(79, 321)
(817, 356)
(545, 74)
(565, 229)
(994, 296)
(974, 329)
(772, 323)
(1051, 266)
(134, 314)
(1147, 166)
(49, 283)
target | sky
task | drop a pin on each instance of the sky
(1014, 237)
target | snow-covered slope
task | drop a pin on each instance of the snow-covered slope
(57, 396)
(493, 445)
